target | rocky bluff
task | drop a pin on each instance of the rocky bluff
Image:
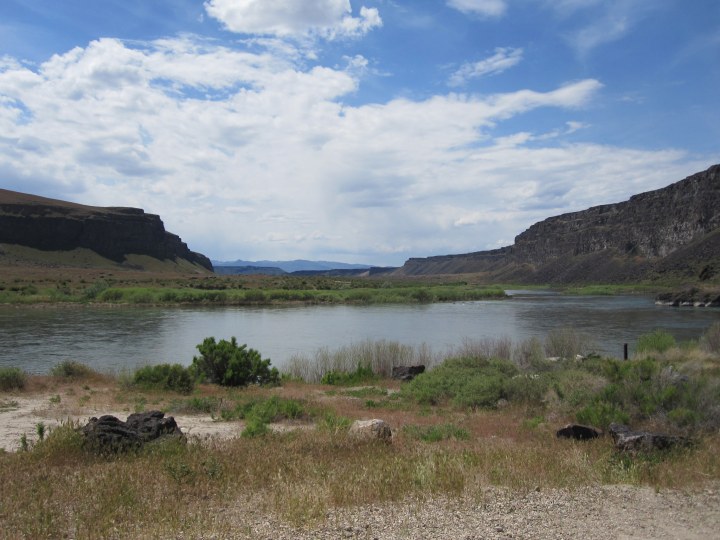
(675, 228)
(112, 232)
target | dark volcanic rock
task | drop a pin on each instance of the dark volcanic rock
(671, 230)
(627, 440)
(407, 373)
(112, 232)
(108, 434)
(578, 432)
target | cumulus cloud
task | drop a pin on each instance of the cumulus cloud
(485, 8)
(503, 59)
(329, 19)
(248, 154)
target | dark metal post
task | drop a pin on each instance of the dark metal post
(625, 352)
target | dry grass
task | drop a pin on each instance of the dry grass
(216, 487)
(298, 476)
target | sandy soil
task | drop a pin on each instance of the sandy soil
(594, 512)
(20, 415)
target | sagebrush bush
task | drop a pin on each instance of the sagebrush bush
(172, 377)
(71, 369)
(465, 382)
(567, 343)
(12, 378)
(229, 364)
(657, 341)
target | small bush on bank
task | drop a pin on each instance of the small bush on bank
(658, 341)
(71, 369)
(566, 343)
(229, 364)
(465, 382)
(172, 377)
(361, 375)
(12, 378)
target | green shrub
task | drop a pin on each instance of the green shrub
(12, 378)
(361, 375)
(466, 382)
(111, 295)
(602, 414)
(95, 289)
(166, 377)
(254, 428)
(269, 410)
(206, 405)
(657, 341)
(70, 369)
(228, 364)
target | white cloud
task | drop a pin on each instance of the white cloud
(486, 8)
(249, 155)
(605, 21)
(503, 59)
(329, 19)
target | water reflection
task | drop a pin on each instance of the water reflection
(124, 337)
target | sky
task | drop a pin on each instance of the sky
(359, 131)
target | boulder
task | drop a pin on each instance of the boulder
(371, 430)
(578, 432)
(407, 373)
(109, 434)
(627, 440)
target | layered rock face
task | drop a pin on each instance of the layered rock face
(616, 242)
(652, 224)
(112, 232)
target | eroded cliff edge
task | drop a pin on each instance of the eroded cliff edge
(111, 232)
(673, 230)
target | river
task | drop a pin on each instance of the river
(123, 338)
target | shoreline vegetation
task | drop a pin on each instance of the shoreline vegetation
(481, 418)
(241, 291)
(137, 289)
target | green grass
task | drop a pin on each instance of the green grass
(12, 378)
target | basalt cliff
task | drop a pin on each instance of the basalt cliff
(114, 233)
(670, 231)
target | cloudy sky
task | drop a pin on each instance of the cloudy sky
(355, 130)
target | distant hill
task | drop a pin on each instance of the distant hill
(294, 266)
(50, 232)
(670, 232)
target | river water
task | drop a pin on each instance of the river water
(118, 338)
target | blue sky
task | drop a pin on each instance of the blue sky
(358, 131)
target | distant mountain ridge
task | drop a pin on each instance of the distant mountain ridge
(673, 230)
(297, 265)
(111, 232)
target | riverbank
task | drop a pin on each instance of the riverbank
(473, 452)
(149, 289)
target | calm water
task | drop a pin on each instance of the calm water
(125, 337)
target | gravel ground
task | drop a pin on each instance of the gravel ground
(595, 513)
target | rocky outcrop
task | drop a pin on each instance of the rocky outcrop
(578, 432)
(112, 232)
(674, 229)
(407, 373)
(371, 430)
(108, 434)
(627, 440)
